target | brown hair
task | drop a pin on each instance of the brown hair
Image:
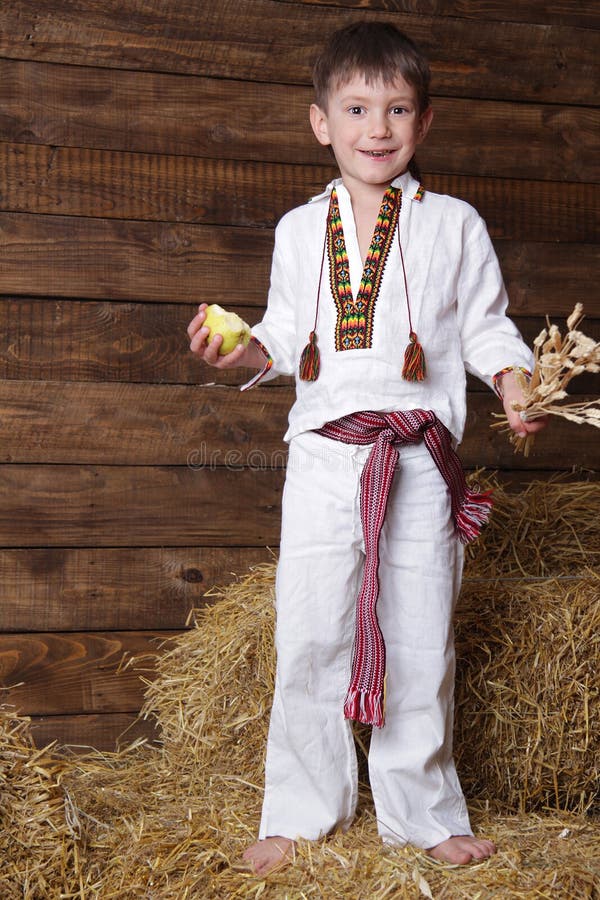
(375, 50)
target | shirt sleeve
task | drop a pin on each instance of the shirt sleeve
(491, 342)
(276, 333)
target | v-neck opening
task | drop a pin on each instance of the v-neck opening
(354, 325)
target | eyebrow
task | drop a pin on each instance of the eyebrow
(358, 98)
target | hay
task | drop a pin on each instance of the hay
(550, 528)
(527, 693)
(171, 821)
(37, 847)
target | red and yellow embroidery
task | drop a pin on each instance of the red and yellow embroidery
(354, 325)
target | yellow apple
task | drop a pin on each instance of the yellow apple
(232, 329)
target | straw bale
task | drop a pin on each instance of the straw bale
(37, 846)
(171, 820)
(212, 692)
(528, 719)
(547, 528)
(172, 844)
(527, 692)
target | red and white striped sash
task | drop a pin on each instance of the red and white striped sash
(470, 510)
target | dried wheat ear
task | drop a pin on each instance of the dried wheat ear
(558, 359)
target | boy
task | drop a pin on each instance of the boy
(373, 496)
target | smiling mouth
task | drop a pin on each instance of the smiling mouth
(377, 154)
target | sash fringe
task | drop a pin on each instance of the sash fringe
(365, 707)
(473, 514)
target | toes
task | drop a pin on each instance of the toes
(462, 849)
(485, 849)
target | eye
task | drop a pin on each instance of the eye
(355, 110)
(399, 110)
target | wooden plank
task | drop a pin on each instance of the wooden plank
(584, 14)
(525, 133)
(72, 340)
(138, 506)
(100, 259)
(562, 445)
(55, 674)
(537, 275)
(104, 731)
(137, 424)
(95, 589)
(121, 185)
(263, 40)
(120, 506)
(167, 114)
(143, 186)
(207, 428)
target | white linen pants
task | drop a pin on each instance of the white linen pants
(311, 767)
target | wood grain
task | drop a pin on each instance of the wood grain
(119, 185)
(102, 731)
(143, 506)
(122, 588)
(584, 14)
(137, 424)
(55, 674)
(262, 40)
(57, 256)
(147, 150)
(208, 428)
(138, 506)
(536, 275)
(72, 340)
(151, 112)
(100, 259)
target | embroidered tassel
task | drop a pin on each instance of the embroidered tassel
(414, 360)
(365, 707)
(310, 360)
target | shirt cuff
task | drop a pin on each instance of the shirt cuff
(497, 377)
(265, 369)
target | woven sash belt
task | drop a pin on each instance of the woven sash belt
(470, 510)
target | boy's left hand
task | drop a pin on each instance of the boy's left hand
(511, 392)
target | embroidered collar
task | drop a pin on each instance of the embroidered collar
(354, 325)
(354, 322)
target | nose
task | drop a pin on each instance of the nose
(379, 126)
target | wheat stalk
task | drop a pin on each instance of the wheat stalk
(558, 359)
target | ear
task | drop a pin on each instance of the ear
(424, 124)
(318, 121)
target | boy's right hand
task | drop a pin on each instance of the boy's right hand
(198, 335)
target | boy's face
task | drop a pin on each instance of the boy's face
(373, 130)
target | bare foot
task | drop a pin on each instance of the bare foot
(270, 854)
(461, 849)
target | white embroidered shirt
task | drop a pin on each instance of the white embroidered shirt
(457, 299)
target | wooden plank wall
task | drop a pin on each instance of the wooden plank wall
(147, 149)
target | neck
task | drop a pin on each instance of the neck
(365, 208)
(364, 195)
